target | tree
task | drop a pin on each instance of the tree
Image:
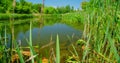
(22, 2)
(65, 9)
(72, 9)
(23, 7)
(5, 5)
(36, 8)
(50, 10)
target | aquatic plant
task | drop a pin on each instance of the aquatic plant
(100, 17)
(57, 50)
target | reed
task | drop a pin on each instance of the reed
(30, 43)
(19, 52)
(57, 50)
(101, 15)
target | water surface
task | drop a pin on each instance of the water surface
(43, 31)
(42, 35)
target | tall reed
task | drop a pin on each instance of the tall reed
(30, 39)
(100, 17)
(57, 50)
(19, 52)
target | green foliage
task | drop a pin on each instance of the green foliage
(65, 9)
(5, 5)
(84, 5)
(15, 16)
(50, 10)
(101, 28)
(4, 51)
(58, 10)
(52, 17)
(36, 8)
(75, 17)
(23, 7)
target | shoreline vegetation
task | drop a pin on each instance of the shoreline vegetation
(100, 42)
(67, 17)
(15, 16)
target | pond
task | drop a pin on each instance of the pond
(43, 35)
(45, 32)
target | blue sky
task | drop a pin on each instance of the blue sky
(55, 3)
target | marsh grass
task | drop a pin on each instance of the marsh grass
(102, 30)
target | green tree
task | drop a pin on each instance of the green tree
(5, 5)
(23, 7)
(50, 10)
(65, 9)
(36, 8)
(60, 9)
(22, 2)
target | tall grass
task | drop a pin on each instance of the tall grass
(75, 17)
(102, 31)
(57, 50)
(30, 38)
(4, 55)
(32, 52)
(19, 52)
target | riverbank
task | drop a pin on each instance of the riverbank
(15, 16)
(75, 17)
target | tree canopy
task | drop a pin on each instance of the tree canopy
(25, 7)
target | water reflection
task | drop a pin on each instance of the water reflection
(42, 35)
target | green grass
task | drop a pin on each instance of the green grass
(102, 29)
(75, 17)
(30, 38)
(19, 53)
(57, 50)
(15, 16)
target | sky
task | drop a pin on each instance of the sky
(56, 3)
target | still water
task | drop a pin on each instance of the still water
(42, 35)
(45, 31)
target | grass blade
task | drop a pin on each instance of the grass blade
(113, 48)
(57, 50)
(30, 38)
(19, 53)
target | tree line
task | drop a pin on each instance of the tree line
(25, 7)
